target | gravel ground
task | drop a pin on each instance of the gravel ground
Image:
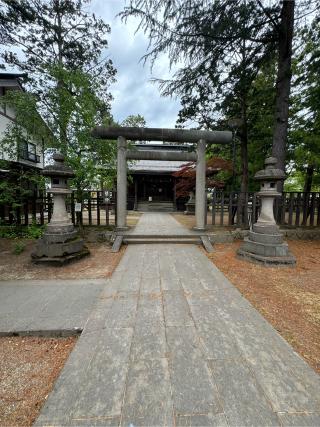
(289, 298)
(98, 265)
(29, 368)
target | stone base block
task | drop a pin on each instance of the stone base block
(59, 238)
(190, 208)
(265, 228)
(265, 249)
(199, 228)
(52, 250)
(273, 239)
(59, 261)
(59, 228)
(288, 260)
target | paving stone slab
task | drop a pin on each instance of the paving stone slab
(149, 342)
(192, 387)
(149, 311)
(217, 341)
(242, 398)
(268, 354)
(57, 409)
(148, 400)
(176, 309)
(300, 420)
(150, 285)
(207, 420)
(103, 387)
(96, 422)
(122, 313)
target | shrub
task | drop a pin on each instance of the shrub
(18, 248)
(15, 231)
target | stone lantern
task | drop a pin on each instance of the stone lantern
(60, 242)
(265, 241)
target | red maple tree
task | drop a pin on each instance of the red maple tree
(186, 175)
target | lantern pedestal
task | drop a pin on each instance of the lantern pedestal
(60, 242)
(190, 205)
(265, 244)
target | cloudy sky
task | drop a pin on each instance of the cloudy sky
(134, 93)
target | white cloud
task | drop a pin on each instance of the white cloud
(134, 93)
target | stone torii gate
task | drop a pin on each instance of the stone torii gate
(200, 137)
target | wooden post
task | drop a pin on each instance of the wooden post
(214, 201)
(107, 214)
(305, 207)
(297, 221)
(291, 199)
(26, 212)
(283, 208)
(230, 208)
(222, 208)
(89, 208)
(135, 194)
(34, 207)
(42, 207)
(312, 208)
(254, 209)
(72, 210)
(98, 207)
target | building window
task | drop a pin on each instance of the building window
(27, 151)
(3, 106)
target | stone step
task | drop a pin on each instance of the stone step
(155, 207)
(158, 239)
(160, 236)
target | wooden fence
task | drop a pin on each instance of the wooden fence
(95, 210)
(226, 209)
(292, 209)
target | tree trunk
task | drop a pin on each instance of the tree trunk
(308, 178)
(244, 174)
(283, 84)
(244, 140)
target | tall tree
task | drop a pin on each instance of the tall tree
(304, 135)
(285, 37)
(221, 45)
(60, 46)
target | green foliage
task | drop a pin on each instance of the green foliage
(18, 185)
(134, 121)
(304, 134)
(68, 82)
(18, 248)
(22, 232)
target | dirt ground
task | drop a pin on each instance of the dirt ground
(99, 264)
(29, 368)
(189, 221)
(289, 298)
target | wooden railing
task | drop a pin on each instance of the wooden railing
(95, 210)
(292, 209)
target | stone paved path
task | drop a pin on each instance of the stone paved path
(172, 342)
(160, 223)
(46, 305)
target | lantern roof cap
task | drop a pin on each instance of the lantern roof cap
(59, 168)
(271, 172)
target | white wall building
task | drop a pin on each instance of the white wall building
(30, 153)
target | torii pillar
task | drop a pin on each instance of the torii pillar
(201, 186)
(122, 184)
